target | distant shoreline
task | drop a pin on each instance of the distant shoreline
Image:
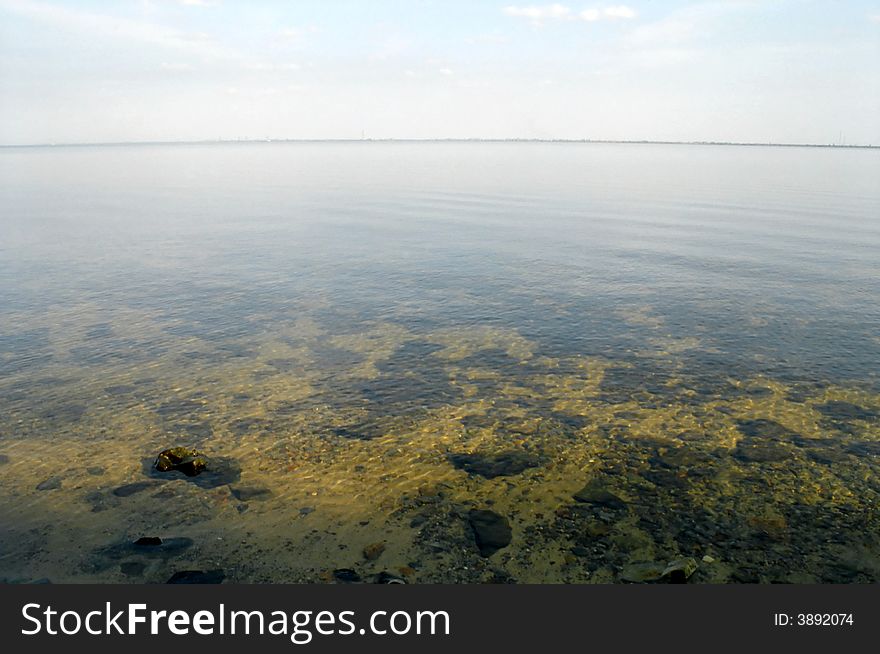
(267, 141)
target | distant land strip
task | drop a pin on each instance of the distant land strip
(437, 140)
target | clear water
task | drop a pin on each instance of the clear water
(373, 339)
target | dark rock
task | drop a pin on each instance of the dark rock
(52, 483)
(4, 458)
(745, 577)
(374, 551)
(150, 546)
(217, 471)
(505, 464)
(95, 471)
(136, 487)
(764, 429)
(837, 410)
(595, 494)
(761, 452)
(166, 549)
(802, 441)
(670, 479)
(248, 493)
(197, 577)
(828, 456)
(491, 531)
(579, 550)
(680, 570)
(166, 546)
(682, 457)
(864, 448)
(388, 578)
(763, 441)
(306, 510)
(189, 461)
(572, 421)
(346, 575)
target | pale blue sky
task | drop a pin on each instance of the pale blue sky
(741, 70)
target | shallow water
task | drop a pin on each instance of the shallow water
(370, 340)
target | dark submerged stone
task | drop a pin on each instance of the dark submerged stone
(248, 493)
(491, 531)
(837, 410)
(52, 483)
(763, 441)
(763, 428)
(136, 487)
(594, 493)
(828, 456)
(680, 570)
(147, 547)
(197, 577)
(212, 472)
(388, 578)
(189, 461)
(162, 546)
(864, 448)
(759, 452)
(346, 575)
(505, 464)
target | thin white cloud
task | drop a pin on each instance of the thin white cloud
(106, 26)
(270, 67)
(196, 3)
(446, 71)
(537, 14)
(296, 33)
(689, 23)
(875, 18)
(619, 11)
(177, 67)
(490, 38)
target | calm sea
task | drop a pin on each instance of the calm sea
(446, 362)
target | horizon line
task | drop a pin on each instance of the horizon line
(268, 140)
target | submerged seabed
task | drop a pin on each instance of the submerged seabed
(774, 481)
(618, 406)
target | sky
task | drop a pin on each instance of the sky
(783, 71)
